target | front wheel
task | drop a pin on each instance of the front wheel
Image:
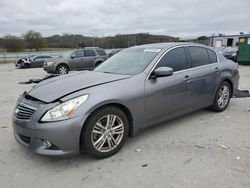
(222, 97)
(62, 69)
(105, 132)
(19, 65)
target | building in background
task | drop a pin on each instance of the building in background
(216, 41)
(226, 40)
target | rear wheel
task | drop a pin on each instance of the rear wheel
(222, 97)
(105, 132)
(98, 63)
(62, 69)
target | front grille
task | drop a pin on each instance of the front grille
(24, 111)
(25, 139)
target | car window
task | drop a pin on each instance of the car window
(41, 57)
(45, 57)
(89, 53)
(198, 56)
(37, 57)
(212, 56)
(78, 53)
(176, 59)
(101, 52)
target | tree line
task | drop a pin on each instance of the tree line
(35, 40)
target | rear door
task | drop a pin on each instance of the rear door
(169, 95)
(89, 58)
(42, 59)
(204, 75)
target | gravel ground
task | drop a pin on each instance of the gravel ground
(202, 149)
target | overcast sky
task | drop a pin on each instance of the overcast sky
(109, 17)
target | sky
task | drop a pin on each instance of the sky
(178, 18)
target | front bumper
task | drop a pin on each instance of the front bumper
(57, 138)
(49, 69)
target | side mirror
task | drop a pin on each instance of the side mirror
(162, 71)
(73, 56)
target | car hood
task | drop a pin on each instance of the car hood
(55, 88)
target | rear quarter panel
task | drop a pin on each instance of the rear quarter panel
(228, 71)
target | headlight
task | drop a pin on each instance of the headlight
(49, 63)
(64, 111)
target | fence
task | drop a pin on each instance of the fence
(9, 56)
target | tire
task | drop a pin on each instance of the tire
(62, 69)
(19, 65)
(98, 63)
(222, 97)
(98, 140)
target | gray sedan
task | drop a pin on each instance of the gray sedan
(95, 111)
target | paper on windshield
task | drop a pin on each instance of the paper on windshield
(154, 50)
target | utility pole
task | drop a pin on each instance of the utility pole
(93, 40)
(128, 41)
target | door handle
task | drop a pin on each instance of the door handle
(217, 69)
(187, 78)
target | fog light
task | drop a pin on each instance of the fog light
(47, 144)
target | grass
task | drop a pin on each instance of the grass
(40, 50)
(7, 60)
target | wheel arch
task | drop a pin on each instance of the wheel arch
(228, 80)
(231, 85)
(99, 61)
(114, 104)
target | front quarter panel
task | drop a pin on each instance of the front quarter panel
(127, 92)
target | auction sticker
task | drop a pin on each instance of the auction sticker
(154, 50)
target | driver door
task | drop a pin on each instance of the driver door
(76, 60)
(169, 95)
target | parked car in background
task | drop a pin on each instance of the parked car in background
(228, 52)
(111, 52)
(33, 61)
(143, 85)
(20, 63)
(81, 59)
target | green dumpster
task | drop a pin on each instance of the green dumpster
(243, 56)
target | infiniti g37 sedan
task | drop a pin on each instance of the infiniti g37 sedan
(95, 111)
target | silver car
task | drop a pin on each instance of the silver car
(95, 111)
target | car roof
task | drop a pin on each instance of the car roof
(95, 48)
(169, 45)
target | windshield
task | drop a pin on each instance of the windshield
(68, 53)
(130, 61)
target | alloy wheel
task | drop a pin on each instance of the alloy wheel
(107, 133)
(63, 70)
(223, 96)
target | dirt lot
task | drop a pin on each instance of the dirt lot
(203, 149)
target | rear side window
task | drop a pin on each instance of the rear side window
(89, 53)
(101, 52)
(198, 56)
(176, 59)
(212, 56)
